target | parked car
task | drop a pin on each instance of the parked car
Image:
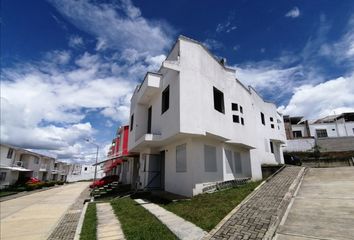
(104, 181)
(292, 160)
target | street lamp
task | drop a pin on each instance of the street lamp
(97, 146)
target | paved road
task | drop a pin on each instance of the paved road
(35, 216)
(323, 207)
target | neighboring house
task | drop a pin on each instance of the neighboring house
(79, 172)
(18, 163)
(331, 133)
(119, 161)
(192, 123)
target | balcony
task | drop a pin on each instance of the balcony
(171, 65)
(149, 87)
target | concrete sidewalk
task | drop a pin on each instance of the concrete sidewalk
(323, 207)
(35, 216)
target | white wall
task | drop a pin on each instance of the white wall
(299, 145)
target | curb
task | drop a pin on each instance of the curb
(233, 211)
(284, 206)
(81, 222)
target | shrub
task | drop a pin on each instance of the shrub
(34, 186)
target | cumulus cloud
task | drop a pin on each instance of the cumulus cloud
(293, 13)
(48, 103)
(313, 101)
(118, 25)
(76, 41)
(212, 44)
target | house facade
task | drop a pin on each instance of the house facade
(192, 123)
(18, 163)
(120, 161)
(332, 133)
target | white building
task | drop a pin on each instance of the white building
(80, 172)
(18, 163)
(193, 123)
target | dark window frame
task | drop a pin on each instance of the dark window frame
(234, 106)
(149, 120)
(10, 153)
(241, 109)
(235, 118)
(262, 118)
(219, 104)
(271, 147)
(242, 121)
(131, 122)
(165, 100)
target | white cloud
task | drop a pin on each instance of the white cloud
(226, 26)
(293, 13)
(46, 104)
(314, 101)
(212, 44)
(76, 41)
(117, 25)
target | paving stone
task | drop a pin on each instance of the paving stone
(261, 210)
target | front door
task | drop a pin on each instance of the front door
(153, 172)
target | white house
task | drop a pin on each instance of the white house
(79, 172)
(17, 163)
(194, 123)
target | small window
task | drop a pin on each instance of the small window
(241, 109)
(36, 160)
(131, 122)
(181, 158)
(10, 153)
(272, 125)
(321, 133)
(271, 119)
(297, 134)
(85, 168)
(238, 162)
(165, 100)
(242, 121)
(271, 147)
(262, 118)
(218, 100)
(234, 106)
(2, 176)
(235, 118)
(210, 158)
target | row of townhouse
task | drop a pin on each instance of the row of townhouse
(17, 164)
(332, 133)
(192, 124)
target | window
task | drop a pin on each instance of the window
(36, 160)
(10, 153)
(297, 134)
(238, 162)
(181, 158)
(272, 125)
(131, 122)
(149, 120)
(242, 121)
(271, 119)
(210, 158)
(241, 109)
(85, 168)
(234, 106)
(165, 100)
(2, 176)
(229, 166)
(235, 118)
(271, 147)
(321, 133)
(262, 118)
(218, 100)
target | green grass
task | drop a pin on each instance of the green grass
(88, 231)
(138, 223)
(207, 210)
(7, 193)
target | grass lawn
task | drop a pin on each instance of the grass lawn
(138, 223)
(88, 231)
(7, 193)
(207, 210)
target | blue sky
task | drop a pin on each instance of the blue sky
(68, 68)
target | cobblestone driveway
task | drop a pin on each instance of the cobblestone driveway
(256, 218)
